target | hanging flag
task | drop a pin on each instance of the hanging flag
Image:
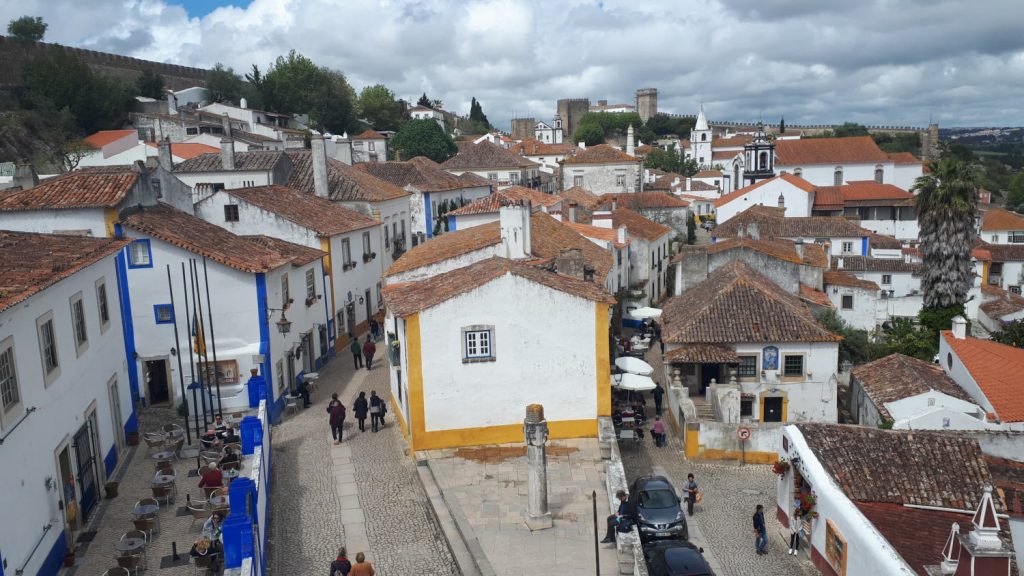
(199, 343)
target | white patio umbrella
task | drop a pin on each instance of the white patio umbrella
(634, 366)
(633, 382)
(645, 313)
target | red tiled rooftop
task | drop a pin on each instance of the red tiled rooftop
(104, 137)
(808, 151)
(324, 217)
(1000, 219)
(103, 187)
(187, 150)
(790, 178)
(996, 368)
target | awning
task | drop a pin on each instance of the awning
(633, 382)
(645, 313)
(703, 354)
(634, 365)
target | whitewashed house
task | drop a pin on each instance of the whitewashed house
(256, 285)
(882, 208)
(228, 169)
(998, 307)
(369, 146)
(932, 512)
(351, 241)
(791, 193)
(427, 113)
(602, 169)
(547, 154)
(841, 236)
(739, 323)
(999, 226)
(467, 357)
(117, 153)
(281, 127)
(65, 402)
(837, 161)
(855, 300)
(485, 210)
(896, 283)
(616, 242)
(497, 164)
(648, 250)
(659, 207)
(987, 371)
(431, 188)
(549, 133)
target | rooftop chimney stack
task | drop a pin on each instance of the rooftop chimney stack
(319, 153)
(25, 177)
(620, 235)
(959, 328)
(572, 212)
(570, 263)
(227, 154)
(951, 552)
(799, 245)
(514, 220)
(630, 148)
(163, 154)
(225, 123)
(689, 183)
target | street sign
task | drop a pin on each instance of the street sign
(743, 433)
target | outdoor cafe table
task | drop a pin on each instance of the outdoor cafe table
(163, 480)
(219, 502)
(162, 456)
(129, 545)
(175, 433)
(229, 473)
(146, 509)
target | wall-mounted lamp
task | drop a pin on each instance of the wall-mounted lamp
(174, 351)
(361, 300)
(284, 325)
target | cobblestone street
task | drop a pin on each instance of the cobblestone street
(364, 494)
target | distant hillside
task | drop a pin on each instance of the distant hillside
(14, 55)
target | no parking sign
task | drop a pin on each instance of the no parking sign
(744, 433)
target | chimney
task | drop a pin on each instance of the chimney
(225, 123)
(799, 245)
(582, 145)
(172, 103)
(630, 148)
(570, 263)
(572, 212)
(227, 153)
(951, 552)
(514, 218)
(981, 552)
(163, 154)
(620, 235)
(243, 103)
(319, 153)
(839, 263)
(25, 176)
(158, 131)
(782, 203)
(959, 328)
(689, 183)
(753, 231)
(615, 203)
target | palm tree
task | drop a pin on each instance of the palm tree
(945, 212)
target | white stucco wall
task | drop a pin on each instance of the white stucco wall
(811, 398)
(232, 179)
(545, 353)
(391, 213)
(958, 372)
(423, 223)
(53, 221)
(471, 220)
(824, 174)
(862, 315)
(797, 202)
(29, 451)
(904, 230)
(431, 270)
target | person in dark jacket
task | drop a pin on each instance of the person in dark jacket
(357, 352)
(340, 566)
(658, 393)
(336, 417)
(760, 531)
(375, 410)
(369, 349)
(614, 519)
(360, 408)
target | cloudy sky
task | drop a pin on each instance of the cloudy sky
(883, 62)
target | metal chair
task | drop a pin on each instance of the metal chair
(176, 447)
(208, 456)
(135, 534)
(235, 446)
(236, 465)
(291, 404)
(198, 512)
(131, 563)
(154, 440)
(147, 525)
(117, 572)
(163, 492)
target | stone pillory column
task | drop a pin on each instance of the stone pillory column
(535, 429)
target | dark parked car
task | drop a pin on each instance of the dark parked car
(655, 506)
(675, 558)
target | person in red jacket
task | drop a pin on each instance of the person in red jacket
(369, 349)
(212, 477)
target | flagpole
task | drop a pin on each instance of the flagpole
(213, 340)
(196, 339)
(191, 364)
(202, 341)
(177, 346)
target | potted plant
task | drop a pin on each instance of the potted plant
(780, 467)
(69, 558)
(807, 504)
(133, 438)
(254, 371)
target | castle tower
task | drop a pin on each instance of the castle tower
(646, 103)
(571, 111)
(700, 140)
(930, 142)
(522, 128)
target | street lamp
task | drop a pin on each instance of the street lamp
(284, 325)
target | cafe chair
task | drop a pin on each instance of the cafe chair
(131, 563)
(147, 525)
(117, 572)
(209, 561)
(163, 492)
(153, 440)
(198, 511)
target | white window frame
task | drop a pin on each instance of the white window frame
(478, 343)
(49, 374)
(139, 258)
(803, 367)
(79, 325)
(577, 180)
(9, 409)
(286, 294)
(846, 247)
(102, 304)
(310, 284)
(886, 279)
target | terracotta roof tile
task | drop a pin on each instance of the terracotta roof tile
(581, 196)
(703, 354)
(531, 147)
(725, 155)
(1003, 252)
(200, 237)
(485, 156)
(871, 190)
(829, 198)
(104, 137)
(903, 158)
(737, 304)
(839, 278)
(30, 262)
(1004, 303)
(884, 242)
(772, 226)
(782, 249)
(642, 200)
(601, 154)
(407, 299)
(369, 135)
(731, 142)
(868, 264)
(597, 232)
(298, 254)
(188, 150)
(897, 376)
(637, 225)
(708, 174)
(1000, 219)
(421, 173)
(549, 237)
(506, 197)
(346, 183)
(901, 467)
(794, 180)
(996, 368)
(307, 210)
(917, 535)
(808, 151)
(536, 197)
(1009, 482)
(252, 161)
(446, 246)
(103, 187)
(816, 297)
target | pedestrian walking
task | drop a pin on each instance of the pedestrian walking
(760, 532)
(658, 393)
(369, 349)
(796, 524)
(658, 432)
(374, 329)
(336, 417)
(340, 566)
(360, 408)
(383, 411)
(692, 493)
(357, 352)
(375, 410)
(361, 567)
(613, 521)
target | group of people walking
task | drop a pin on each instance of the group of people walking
(342, 566)
(374, 407)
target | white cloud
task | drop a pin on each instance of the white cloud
(885, 61)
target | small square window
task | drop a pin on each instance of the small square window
(1014, 289)
(477, 343)
(492, 176)
(163, 313)
(886, 279)
(793, 366)
(231, 212)
(847, 247)
(847, 301)
(577, 180)
(140, 254)
(747, 367)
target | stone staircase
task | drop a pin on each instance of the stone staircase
(704, 409)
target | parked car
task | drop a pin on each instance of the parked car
(675, 558)
(656, 509)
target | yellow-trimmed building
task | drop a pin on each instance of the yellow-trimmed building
(470, 348)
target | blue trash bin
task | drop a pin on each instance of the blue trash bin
(251, 433)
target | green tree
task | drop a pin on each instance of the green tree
(424, 101)
(377, 105)
(1015, 193)
(607, 123)
(663, 125)
(691, 228)
(782, 124)
(1012, 334)
(590, 134)
(423, 138)
(223, 85)
(667, 160)
(476, 114)
(903, 142)
(945, 212)
(27, 29)
(295, 85)
(901, 335)
(150, 84)
(849, 129)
